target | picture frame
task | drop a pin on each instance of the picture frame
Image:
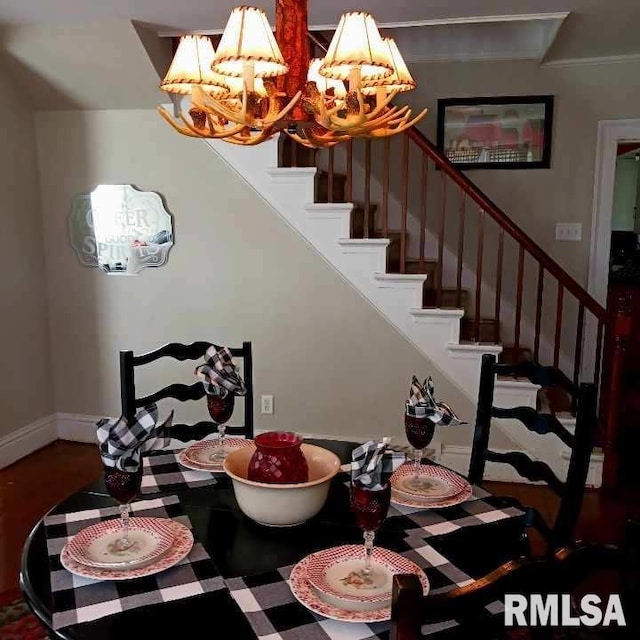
(506, 132)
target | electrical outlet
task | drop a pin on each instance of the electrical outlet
(266, 405)
(569, 231)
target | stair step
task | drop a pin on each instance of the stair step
(448, 298)
(486, 329)
(322, 187)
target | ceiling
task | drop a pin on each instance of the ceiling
(595, 28)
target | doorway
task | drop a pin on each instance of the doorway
(614, 255)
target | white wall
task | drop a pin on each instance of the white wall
(236, 272)
(25, 391)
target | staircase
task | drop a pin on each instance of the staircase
(442, 263)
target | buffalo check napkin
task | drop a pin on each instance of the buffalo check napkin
(219, 374)
(122, 444)
(162, 472)
(77, 599)
(422, 404)
(391, 460)
(367, 464)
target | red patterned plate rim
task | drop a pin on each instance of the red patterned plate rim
(304, 592)
(185, 456)
(406, 501)
(317, 564)
(457, 483)
(160, 528)
(182, 544)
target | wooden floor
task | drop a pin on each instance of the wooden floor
(36, 483)
(30, 487)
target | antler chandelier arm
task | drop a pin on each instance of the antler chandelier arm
(245, 116)
(198, 132)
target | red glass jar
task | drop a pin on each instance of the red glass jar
(278, 459)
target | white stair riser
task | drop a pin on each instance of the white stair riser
(370, 259)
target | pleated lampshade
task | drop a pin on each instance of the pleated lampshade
(400, 80)
(191, 65)
(357, 44)
(248, 38)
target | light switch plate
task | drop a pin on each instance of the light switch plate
(569, 231)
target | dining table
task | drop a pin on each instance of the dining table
(237, 585)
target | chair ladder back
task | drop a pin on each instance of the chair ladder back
(127, 385)
(248, 381)
(483, 420)
(184, 392)
(181, 392)
(571, 502)
(177, 351)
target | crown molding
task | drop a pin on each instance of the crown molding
(519, 17)
(580, 62)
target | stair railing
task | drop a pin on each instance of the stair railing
(476, 257)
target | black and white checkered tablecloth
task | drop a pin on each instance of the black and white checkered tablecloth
(274, 614)
(162, 472)
(481, 508)
(77, 599)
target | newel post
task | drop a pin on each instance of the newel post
(619, 328)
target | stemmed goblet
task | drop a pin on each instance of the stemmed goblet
(419, 431)
(123, 486)
(370, 506)
(220, 409)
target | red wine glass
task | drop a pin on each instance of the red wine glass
(419, 431)
(370, 507)
(220, 409)
(123, 486)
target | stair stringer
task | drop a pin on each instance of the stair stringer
(397, 297)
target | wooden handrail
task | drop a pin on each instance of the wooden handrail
(505, 222)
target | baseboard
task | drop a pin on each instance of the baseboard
(457, 458)
(28, 439)
(77, 427)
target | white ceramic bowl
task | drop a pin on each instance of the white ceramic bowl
(282, 505)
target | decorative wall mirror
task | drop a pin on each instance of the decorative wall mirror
(120, 230)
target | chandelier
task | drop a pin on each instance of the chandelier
(256, 85)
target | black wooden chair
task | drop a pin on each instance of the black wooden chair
(571, 490)
(561, 573)
(185, 392)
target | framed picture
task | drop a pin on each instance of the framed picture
(512, 132)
